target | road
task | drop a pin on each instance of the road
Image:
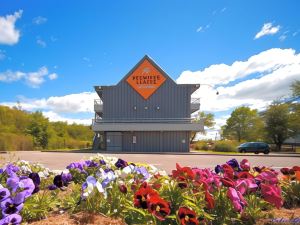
(59, 160)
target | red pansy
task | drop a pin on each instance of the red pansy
(187, 216)
(158, 207)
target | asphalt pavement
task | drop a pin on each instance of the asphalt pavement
(59, 160)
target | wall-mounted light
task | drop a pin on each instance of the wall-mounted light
(134, 107)
(157, 108)
(146, 107)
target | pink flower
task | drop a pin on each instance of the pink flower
(269, 177)
(245, 185)
(245, 165)
(237, 199)
(272, 194)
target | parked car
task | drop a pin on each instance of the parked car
(255, 147)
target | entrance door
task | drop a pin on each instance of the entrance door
(114, 141)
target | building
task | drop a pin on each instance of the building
(145, 112)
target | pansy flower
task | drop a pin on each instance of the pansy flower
(159, 207)
(185, 172)
(4, 194)
(13, 219)
(210, 202)
(11, 206)
(237, 199)
(234, 164)
(36, 180)
(228, 171)
(62, 180)
(227, 182)
(142, 196)
(22, 184)
(187, 216)
(272, 194)
(121, 163)
(245, 165)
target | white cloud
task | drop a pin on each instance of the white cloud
(54, 117)
(72, 103)
(10, 76)
(39, 20)
(41, 43)
(274, 71)
(267, 29)
(9, 35)
(52, 76)
(33, 79)
(54, 106)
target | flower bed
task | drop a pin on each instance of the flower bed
(233, 193)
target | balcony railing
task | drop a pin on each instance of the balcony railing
(145, 120)
(195, 100)
(98, 106)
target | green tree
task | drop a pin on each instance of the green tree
(296, 88)
(294, 106)
(38, 129)
(277, 123)
(208, 120)
(243, 124)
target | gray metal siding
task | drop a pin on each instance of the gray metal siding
(156, 141)
(173, 102)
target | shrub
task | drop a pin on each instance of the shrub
(14, 142)
(201, 145)
(226, 146)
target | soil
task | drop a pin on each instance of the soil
(282, 216)
(78, 219)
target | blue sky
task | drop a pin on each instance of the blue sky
(64, 48)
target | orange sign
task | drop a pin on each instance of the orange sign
(146, 79)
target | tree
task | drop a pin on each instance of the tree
(38, 129)
(294, 107)
(208, 120)
(295, 87)
(277, 121)
(243, 124)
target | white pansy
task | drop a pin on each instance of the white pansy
(99, 187)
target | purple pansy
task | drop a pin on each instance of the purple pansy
(13, 219)
(25, 186)
(4, 194)
(234, 164)
(90, 163)
(121, 163)
(11, 206)
(218, 169)
(36, 180)
(77, 165)
(102, 162)
(11, 169)
(62, 180)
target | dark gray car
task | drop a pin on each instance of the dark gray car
(255, 147)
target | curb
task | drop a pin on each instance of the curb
(179, 153)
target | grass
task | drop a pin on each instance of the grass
(214, 152)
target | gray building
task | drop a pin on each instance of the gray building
(145, 112)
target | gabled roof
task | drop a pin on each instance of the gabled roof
(146, 57)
